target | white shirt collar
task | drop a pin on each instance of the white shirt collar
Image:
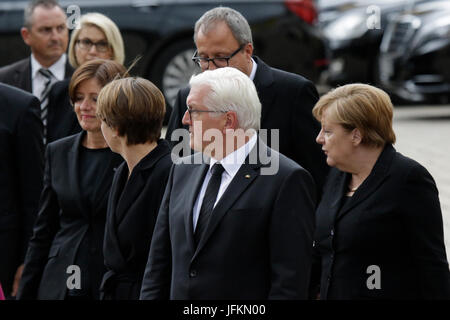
(232, 162)
(254, 66)
(58, 68)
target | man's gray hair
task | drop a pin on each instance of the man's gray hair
(231, 90)
(235, 21)
(28, 12)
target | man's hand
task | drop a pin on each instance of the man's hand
(17, 278)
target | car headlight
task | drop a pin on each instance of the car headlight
(347, 27)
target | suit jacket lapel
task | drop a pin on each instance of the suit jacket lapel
(117, 188)
(68, 71)
(22, 76)
(338, 189)
(196, 177)
(111, 221)
(74, 167)
(130, 192)
(264, 79)
(376, 177)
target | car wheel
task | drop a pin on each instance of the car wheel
(174, 68)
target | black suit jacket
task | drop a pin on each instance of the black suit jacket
(392, 221)
(62, 120)
(18, 74)
(132, 210)
(62, 223)
(287, 100)
(21, 171)
(258, 242)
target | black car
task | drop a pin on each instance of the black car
(161, 31)
(414, 62)
(354, 29)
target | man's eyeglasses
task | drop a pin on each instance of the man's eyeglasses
(193, 111)
(86, 44)
(219, 62)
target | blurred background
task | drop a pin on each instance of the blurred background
(401, 46)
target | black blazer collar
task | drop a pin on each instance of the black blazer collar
(68, 71)
(74, 164)
(73, 161)
(375, 179)
(263, 81)
(22, 75)
(195, 177)
(137, 180)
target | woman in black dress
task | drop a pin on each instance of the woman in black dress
(64, 258)
(379, 229)
(132, 111)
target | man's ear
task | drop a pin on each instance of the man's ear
(356, 137)
(25, 33)
(248, 49)
(231, 121)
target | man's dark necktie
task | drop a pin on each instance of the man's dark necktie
(50, 79)
(208, 201)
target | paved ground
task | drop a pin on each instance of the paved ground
(423, 133)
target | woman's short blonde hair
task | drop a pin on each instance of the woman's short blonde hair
(108, 27)
(360, 106)
(135, 107)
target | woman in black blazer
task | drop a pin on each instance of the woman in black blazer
(379, 230)
(64, 258)
(138, 184)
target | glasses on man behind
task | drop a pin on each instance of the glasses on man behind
(219, 62)
(86, 44)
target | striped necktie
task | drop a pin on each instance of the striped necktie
(50, 79)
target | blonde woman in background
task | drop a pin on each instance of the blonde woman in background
(98, 37)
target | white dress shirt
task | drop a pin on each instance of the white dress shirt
(231, 163)
(38, 80)
(254, 66)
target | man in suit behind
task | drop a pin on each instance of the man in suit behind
(46, 33)
(223, 38)
(21, 171)
(237, 218)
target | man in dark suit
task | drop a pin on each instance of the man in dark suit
(46, 33)
(21, 170)
(223, 38)
(237, 218)
(61, 121)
